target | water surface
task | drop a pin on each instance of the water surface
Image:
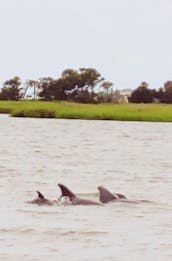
(133, 158)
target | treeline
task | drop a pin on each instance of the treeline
(75, 85)
(85, 85)
(145, 95)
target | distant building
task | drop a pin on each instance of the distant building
(121, 96)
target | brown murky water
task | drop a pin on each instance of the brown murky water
(129, 157)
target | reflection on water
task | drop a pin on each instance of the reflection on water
(133, 158)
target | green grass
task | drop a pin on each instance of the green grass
(68, 110)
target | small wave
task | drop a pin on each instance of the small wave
(39, 212)
(74, 233)
(10, 230)
(52, 232)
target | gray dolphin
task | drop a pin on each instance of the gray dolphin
(106, 196)
(41, 200)
(73, 198)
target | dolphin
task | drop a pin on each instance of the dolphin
(106, 196)
(74, 200)
(40, 200)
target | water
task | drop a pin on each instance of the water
(128, 157)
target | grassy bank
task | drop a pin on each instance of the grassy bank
(67, 110)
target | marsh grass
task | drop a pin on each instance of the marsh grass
(68, 110)
(8, 106)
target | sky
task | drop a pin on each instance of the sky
(127, 41)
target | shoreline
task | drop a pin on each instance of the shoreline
(70, 110)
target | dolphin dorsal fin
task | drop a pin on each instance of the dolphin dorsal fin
(66, 192)
(105, 195)
(40, 195)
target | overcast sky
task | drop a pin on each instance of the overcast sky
(127, 41)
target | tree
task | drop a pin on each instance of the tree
(107, 86)
(159, 95)
(90, 78)
(54, 90)
(168, 87)
(71, 84)
(144, 84)
(11, 90)
(36, 86)
(168, 91)
(142, 94)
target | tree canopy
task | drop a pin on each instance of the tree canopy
(10, 89)
(72, 84)
(142, 94)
